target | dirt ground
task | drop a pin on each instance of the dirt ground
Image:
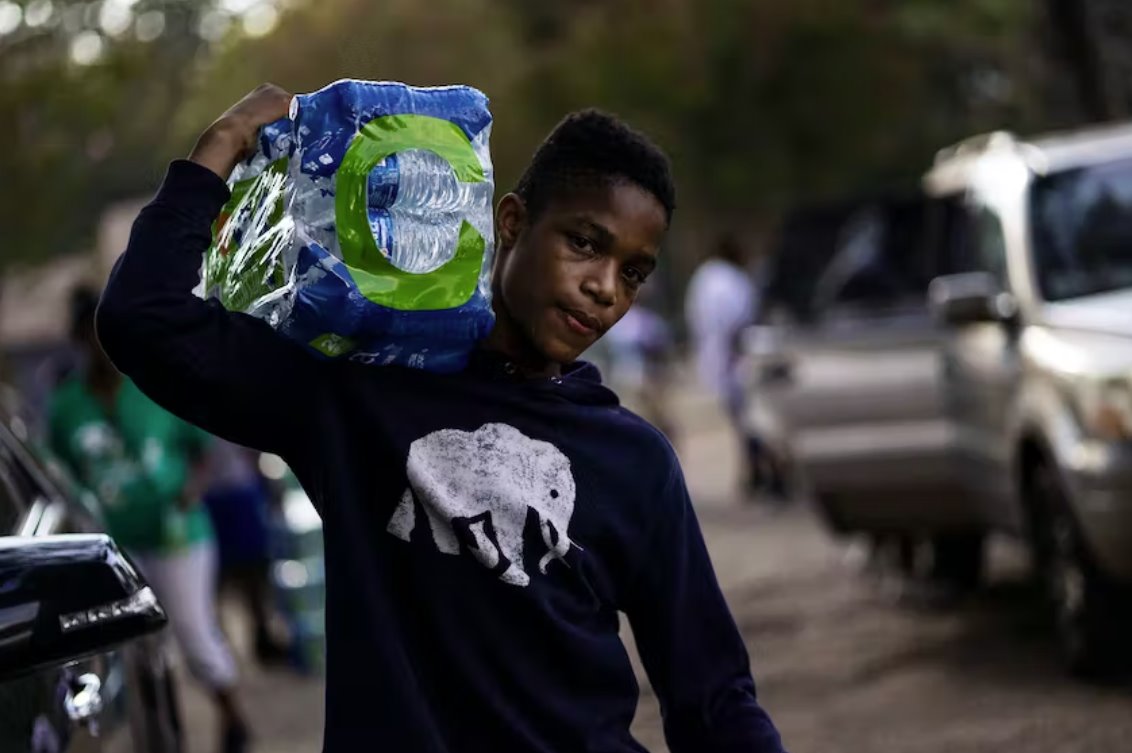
(842, 662)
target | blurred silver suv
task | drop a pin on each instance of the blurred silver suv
(1037, 363)
(961, 362)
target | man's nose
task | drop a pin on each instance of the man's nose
(601, 284)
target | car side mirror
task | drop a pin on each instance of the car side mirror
(970, 298)
(63, 598)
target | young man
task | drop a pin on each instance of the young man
(482, 529)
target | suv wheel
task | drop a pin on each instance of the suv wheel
(1083, 604)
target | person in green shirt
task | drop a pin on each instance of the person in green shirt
(146, 467)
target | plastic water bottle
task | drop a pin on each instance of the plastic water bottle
(377, 244)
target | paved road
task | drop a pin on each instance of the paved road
(842, 663)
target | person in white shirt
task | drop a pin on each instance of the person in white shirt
(639, 352)
(722, 300)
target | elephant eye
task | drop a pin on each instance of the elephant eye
(554, 494)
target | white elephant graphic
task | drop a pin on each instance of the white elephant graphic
(486, 481)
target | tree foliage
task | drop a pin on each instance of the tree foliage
(761, 103)
(86, 98)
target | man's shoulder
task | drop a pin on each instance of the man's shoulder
(649, 440)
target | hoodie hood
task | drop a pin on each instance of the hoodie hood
(580, 381)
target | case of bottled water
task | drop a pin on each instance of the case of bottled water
(362, 225)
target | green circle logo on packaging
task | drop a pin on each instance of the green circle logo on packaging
(448, 286)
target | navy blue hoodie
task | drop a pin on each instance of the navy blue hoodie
(483, 531)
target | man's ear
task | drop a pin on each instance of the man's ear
(510, 221)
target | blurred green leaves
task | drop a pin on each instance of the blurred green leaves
(760, 102)
(87, 93)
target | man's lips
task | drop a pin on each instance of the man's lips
(582, 323)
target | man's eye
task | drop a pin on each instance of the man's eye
(634, 276)
(580, 243)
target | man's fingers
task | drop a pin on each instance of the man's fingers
(233, 136)
(265, 104)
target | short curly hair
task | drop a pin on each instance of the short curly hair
(592, 147)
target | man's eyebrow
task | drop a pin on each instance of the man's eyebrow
(602, 235)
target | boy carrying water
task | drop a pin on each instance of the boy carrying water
(483, 529)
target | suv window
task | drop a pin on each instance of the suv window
(965, 238)
(949, 233)
(863, 254)
(804, 243)
(990, 244)
(878, 264)
(1082, 234)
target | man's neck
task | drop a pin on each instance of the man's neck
(509, 341)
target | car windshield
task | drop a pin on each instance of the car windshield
(1082, 230)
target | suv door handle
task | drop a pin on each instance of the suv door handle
(83, 702)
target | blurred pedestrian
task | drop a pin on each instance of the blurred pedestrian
(640, 350)
(721, 303)
(145, 466)
(238, 501)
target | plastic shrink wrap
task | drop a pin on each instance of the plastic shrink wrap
(362, 225)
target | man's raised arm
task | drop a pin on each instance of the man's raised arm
(226, 372)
